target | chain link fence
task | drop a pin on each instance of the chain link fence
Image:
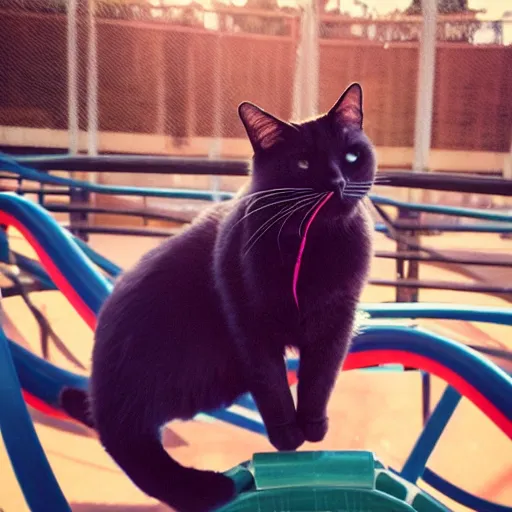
(167, 79)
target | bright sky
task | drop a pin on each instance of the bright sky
(495, 8)
(494, 11)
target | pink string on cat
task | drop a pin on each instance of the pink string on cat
(296, 270)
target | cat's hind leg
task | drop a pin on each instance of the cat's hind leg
(128, 414)
(142, 457)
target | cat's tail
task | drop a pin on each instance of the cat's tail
(142, 457)
(75, 403)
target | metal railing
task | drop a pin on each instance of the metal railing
(405, 228)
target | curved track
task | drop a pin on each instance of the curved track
(470, 374)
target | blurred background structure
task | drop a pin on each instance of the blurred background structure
(106, 80)
(164, 77)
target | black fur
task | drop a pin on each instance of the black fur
(205, 316)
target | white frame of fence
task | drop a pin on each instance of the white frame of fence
(305, 91)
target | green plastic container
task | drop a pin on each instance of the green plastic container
(323, 481)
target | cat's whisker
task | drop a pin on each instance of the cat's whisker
(272, 190)
(377, 179)
(283, 211)
(354, 195)
(282, 226)
(297, 193)
(365, 185)
(356, 191)
(276, 218)
(253, 198)
(290, 215)
(275, 203)
(308, 212)
(268, 223)
(359, 187)
(277, 189)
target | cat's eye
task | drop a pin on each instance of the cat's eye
(303, 164)
(352, 156)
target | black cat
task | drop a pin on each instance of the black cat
(207, 315)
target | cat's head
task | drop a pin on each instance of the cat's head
(330, 153)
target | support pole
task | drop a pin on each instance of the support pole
(92, 82)
(423, 121)
(160, 85)
(428, 439)
(305, 90)
(425, 90)
(215, 150)
(72, 77)
(92, 102)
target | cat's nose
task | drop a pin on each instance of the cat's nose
(339, 184)
(339, 187)
(338, 181)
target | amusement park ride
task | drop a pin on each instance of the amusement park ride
(269, 482)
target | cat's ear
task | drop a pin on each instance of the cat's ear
(263, 129)
(349, 108)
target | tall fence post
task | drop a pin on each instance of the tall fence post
(92, 102)
(215, 150)
(92, 81)
(422, 129)
(72, 46)
(425, 88)
(73, 123)
(305, 86)
(161, 107)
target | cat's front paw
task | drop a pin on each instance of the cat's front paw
(286, 437)
(314, 430)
